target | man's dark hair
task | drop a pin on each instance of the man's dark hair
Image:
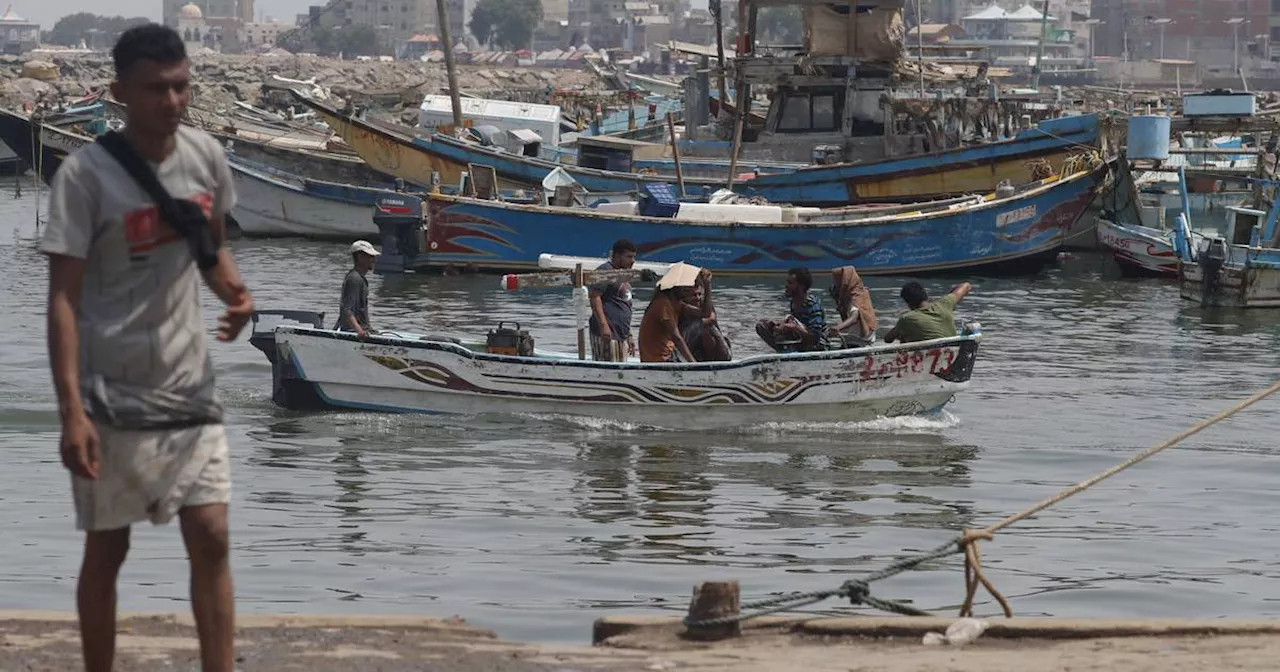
(803, 276)
(623, 245)
(148, 42)
(913, 293)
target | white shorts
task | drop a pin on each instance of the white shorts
(151, 475)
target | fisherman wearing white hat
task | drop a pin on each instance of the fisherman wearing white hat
(353, 312)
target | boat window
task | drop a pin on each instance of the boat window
(824, 112)
(795, 113)
(806, 112)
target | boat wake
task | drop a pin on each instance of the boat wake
(908, 424)
(905, 424)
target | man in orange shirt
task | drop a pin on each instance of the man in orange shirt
(660, 338)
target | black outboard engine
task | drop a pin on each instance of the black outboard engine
(399, 220)
(1212, 258)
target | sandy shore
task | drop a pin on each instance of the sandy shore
(47, 641)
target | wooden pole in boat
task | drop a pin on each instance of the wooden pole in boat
(1044, 34)
(442, 16)
(737, 131)
(743, 48)
(920, 46)
(675, 152)
(582, 328)
(724, 89)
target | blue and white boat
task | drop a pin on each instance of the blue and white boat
(1239, 269)
(273, 203)
(1015, 230)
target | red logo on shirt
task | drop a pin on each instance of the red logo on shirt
(145, 231)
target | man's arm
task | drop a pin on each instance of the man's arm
(894, 334)
(847, 323)
(707, 309)
(673, 332)
(597, 309)
(224, 279)
(79, 443)
(66, 275)
(68, 242)
(350, 294)
(961, 290)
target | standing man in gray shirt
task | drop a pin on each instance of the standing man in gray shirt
(353, 311)
(610, 324)
(142, 430)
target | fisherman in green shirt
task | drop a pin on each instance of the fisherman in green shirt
(927, 319)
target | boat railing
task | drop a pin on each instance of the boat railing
(967, 343)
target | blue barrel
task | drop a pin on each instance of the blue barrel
(1149, 137)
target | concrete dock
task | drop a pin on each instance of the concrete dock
(48, 642)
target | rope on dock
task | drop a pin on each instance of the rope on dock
(858, 591)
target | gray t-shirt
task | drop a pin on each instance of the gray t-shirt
(615, 299)
(139, 318)
(355, 300)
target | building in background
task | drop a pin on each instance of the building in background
(192, 27)
(17, 34)
(396, 20)
(257, 35)
(209, 9)
(1213, 33)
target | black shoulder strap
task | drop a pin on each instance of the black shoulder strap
(186, 219)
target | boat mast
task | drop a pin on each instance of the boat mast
(920, 45)
(716, 8)
(442, 16)
(1044, 31)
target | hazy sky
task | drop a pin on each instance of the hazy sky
(46, 12)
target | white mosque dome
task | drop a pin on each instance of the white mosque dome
(190, 11)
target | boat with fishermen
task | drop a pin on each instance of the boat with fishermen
(1013, 230)
(398, 372)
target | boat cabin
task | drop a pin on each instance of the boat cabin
(607, 152)
(1245, 227)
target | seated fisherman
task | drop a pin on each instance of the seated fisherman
(857, 326)
(804, 329)
(927, 319)
(660, 337)
(699, 327)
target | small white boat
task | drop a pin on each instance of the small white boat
(316, 368)
(1139, 250)
(272, 203)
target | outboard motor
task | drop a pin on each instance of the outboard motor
(399, 221)
(1212, 258)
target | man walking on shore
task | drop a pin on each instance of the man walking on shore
(135, 221)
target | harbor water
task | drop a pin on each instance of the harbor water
(534, 526)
